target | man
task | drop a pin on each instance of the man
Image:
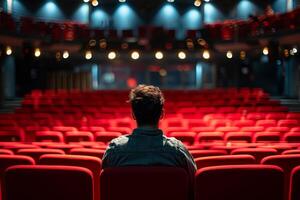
(147, 146)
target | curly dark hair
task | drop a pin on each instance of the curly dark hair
(147, 103)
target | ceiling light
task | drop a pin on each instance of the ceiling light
(88, 55)
(181, 55)
(95, 3)
(8, 50)
(206, 54)
(112, 55)
(135, 55)
(266, 51)
(159, 55)
(229, 54)
(66, 54)
(37, 52)
(197, 3)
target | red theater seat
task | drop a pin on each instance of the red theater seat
(252, 129)
(295, 184)
(224, 160)
(123, 130)
(37, 153)
(291, 151)
(205, 153)
(48, 183)
(288, 123)
(79, 136)
(292, 137)
(243, 123)
(266, 123)
(88, 152)
(238, 137)
(106, 136)
(49, 136)
(91, 163)
(149, 183)
(6, 152)
(287, 163)
(236, 182)
(186, 138)
(7, 161)
(258, 153)
(266, 137)
(64, 129)
(209, 137)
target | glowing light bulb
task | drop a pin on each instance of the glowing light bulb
(88, 55)
(135, 55)
(197, 3)
(159, 55)
(206, 54)
(8, 50)
(112, 55)
(95, 3)
(266, 51)
(66, 54)
(181, 55)
(37, 52)
(229, 54)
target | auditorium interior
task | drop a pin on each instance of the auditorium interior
(229, 71)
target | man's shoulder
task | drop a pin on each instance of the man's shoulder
(120, 141)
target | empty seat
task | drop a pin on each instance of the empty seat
(205, 153)
(88, 152)
(7, 161)
(295, 184)
(65, 147)
(292, 137)
(287, 163)
(91, 163)
(123, 130)
(79, 136)
(281, 129)
(288, 123)
(224, 160)
(149, 183)
(6, 152)
(238, 137)
(106, 136)
(47, 136)
(258, 153)
(209, 137)
(48, 183)
(266, 123)
(64, 129)
(252, 129)
(291, 151)
(227, 129)
(37, 153)
(243, 123)
(266, 137)
(236, 182)
(186, 138)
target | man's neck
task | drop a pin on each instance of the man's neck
(148, 126)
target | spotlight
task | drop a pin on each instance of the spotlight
(88, 55)
(266, 51)
(66, 54)
(171, 1)
(37, 52)
(8, 50)
(207, 1)
(295, 50)
(181, 55)
(135, 55)
(122, 1)
(197, 3)
(206, 54)
(112, 55)
(159, 55)
(86, 1)
(95, 3)
(229, 54)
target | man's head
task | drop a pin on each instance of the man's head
(147, 103)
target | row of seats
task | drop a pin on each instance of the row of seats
(218, 177)
(257, 26)
(258, 150)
